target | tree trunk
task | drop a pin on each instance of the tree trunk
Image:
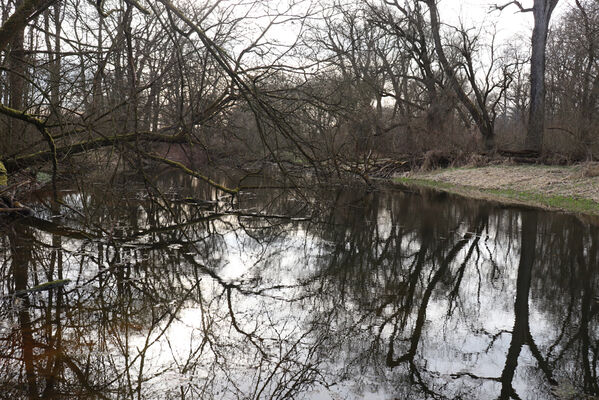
(53, 44)
(542, 11)
(16, 84)
(476, 111)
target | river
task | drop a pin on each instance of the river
(380, 294)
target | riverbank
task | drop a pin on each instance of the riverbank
(572, 189)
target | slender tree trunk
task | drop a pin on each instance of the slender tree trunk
(97, 101)
(53, 45)
(132, 118)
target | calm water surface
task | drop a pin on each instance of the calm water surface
(376, 295)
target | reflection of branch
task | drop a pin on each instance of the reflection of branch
(268, 216)
(494, 337)
(141, 353)
(296, 378)
(65, 231)
(249, 336)
(543, 364)
(415, 339)
(460, 275)
(81, 377)
(56, 229)
(414, 373)
(473, 376)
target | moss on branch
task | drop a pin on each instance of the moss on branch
(3, 175)
(24, 161)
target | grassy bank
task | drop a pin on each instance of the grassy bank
(570, 189)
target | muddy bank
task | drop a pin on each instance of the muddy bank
(573, 189)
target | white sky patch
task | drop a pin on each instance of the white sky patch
(510, 22)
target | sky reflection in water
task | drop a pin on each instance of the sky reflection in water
(379, 295)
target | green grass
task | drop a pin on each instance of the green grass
(565, 203)
(561, 202)
(424, 182)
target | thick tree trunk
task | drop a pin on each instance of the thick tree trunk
(536, 122)
(542, 11)
(12, 32)
(16, 84)
(18, 20)
(521, 328)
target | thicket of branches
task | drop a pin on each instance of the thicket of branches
(321, 85)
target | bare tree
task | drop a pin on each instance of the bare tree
(137, 80)
(542, 11)
(477, 108)
(573, 78)
(418, 84)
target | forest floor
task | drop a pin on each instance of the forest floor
(573, 189)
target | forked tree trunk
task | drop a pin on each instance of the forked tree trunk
(477, 111)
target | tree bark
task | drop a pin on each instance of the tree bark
(16, 84)
(53, 45)
(18, 20)
(542, 11)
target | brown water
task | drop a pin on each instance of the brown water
(376, 295)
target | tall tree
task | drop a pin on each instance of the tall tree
(12, 38)
(572, 77)
(477, 109)
(16, 80)
(542, 11)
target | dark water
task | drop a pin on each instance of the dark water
(379, 295)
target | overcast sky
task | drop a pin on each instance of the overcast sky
(509, 21)
(511, 24)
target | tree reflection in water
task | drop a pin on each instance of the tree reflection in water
(378, 295)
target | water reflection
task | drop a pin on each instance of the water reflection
(378, 295)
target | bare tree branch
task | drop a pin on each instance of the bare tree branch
(515, 2)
